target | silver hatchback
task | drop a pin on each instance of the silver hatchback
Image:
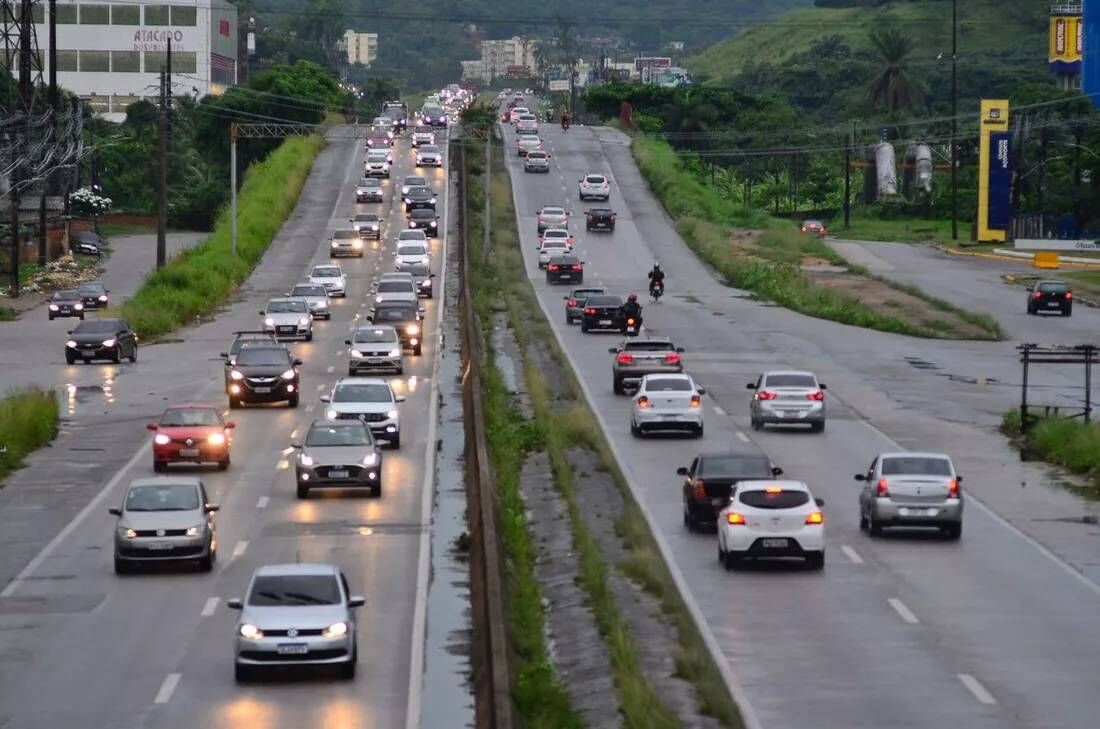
(787, 397)
(340, 454)
(165, 519)
(293, 615)
(911, 490)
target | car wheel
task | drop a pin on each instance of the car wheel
(953, 531)
(756, 424)
(224, 463)
(818, 427)
(816, 560)
(133, 355)
(1030, 311)
(86, 360)
(160, 466)
(584, 327)
(733, 560)
(51, 317)
(70, 360)
(242, 674)
(617, 386)
(689, 518)
(862, 521)
(206, 564)
(292, 401)
(117, 356)
(309, 336)
(400, 371)
(874, 526)
(351, 371)
(417, 350)
(721, 552)
(1067, 312)
(699, 432)
(395, 442)
(303, 491)
(635, 430)
(376, 491)
(234, 403)
(122, 567)
(347, 671)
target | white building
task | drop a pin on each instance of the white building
(513, 56)
(362, 47)
(110, 54)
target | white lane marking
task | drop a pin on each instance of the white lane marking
(310, 406)
(742, 437)
(63, 535)
(851, 554)
(903, 612)
(239, 549)
(262, 502)
(719, 411)
(167, 688)
(283, 465)
(294, 434)
(320, 386)
(288, 450)
(975, 687)
(330, 369)
(210, 606)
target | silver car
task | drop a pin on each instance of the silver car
(293, 615)
(346, 243)
(375, 347)
(552, 217)
(667, 402)
(339, 454)
(911, 490)
(413, 256)
(288, 319)
(368, 399)
(395, 290)
(316, 296)
(537, 161)
(165, 519)
(787, 397)
(527, 143)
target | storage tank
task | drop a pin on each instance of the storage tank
(886, 174)
(923, 164)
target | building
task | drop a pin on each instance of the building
(514, 57)
(362, 47)
(110, 54)
(475, 71)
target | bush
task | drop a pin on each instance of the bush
(28, 421)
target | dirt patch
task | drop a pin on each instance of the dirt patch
(814, 262)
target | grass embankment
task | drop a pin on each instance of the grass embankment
(113, 230)
(902, 231)
(28, 421)
(561, 422)
(1072, 444)
(769, 261)
(202, 278)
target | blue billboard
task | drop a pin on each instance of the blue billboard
(1090, 51)
(1000, 181)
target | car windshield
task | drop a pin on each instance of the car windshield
(432, 111)
(386, 287)
(378, 156)
(537, 155)
(915, 466)
(287, 307)
(263, 356)
(420, 192)
(593, 179)
(556, 233)
(183, 417)
(365, 392)
(240, 342)
(667, 384)
(66, 296)
(422, 214)
(326, 272)
(604, 301)
(96, 289)
(408, 250)
(416, 182)
(790, 381)
(339, 434)
(734, 465)
(1053, 287)
(394, 313)
(370, 336)
(102, 326)
(429, 148)
(412, 235)
(556, 212)
(555, 243)
(369, 182)
(649, 347)
(367, 218)
(585, 293)
(773, 499)
(172, 497)
(308, 291)
(275, 590)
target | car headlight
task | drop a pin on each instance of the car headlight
(103, 298)
(370, 459)
(127, 533)
(378, 298)
(161, 439)
(269, 322)
(109, 342)
(53, 307)
(305, 459)
(330, 414)
(391, 414)
(412, 329)
(70, 344)
(395, 352)
(194, 531)
(357, 244)
(433, 201)
(288, 375)
(374, 227)
(216, 439)
(322, 304)
(356, 353)
(78, 306)
(303, 320)
(248, 631)
(336, 630)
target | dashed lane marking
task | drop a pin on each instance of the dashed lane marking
(167, 688)
(975, 687)
(851, 554)
(210, 606)
(719, 411)
(903, 612)
(239, 549)
(262, 502)
(742, 437)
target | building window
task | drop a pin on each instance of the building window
(66, 14)
(98, 104)
(155, 59)
(95, 15)
(184, 62)
(38, 13)
(119, 103)
(126, 61)
(183, 15)
(95, 61)
(156, 15)
(125, 15)
(66, 60)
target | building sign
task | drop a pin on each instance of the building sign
(1066, 40)
(518, 71)
(559, 84)
(1000, 181)
(157, 40)
(994, 173)
(651, 62)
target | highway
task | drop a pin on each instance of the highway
(80, 646)
(994, 631)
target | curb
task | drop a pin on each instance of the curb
(999, 257)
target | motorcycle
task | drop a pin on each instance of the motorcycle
(657, 290)
(633, 326)
(565, 125)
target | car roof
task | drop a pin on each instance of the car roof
(785, 484)
(192, 406)
(67, 292)
(566, 258)
(806, 373)
(395, 275)
(740, 453)
(326, 265)
(642, 340)
(667, 376)
(363, 381)
(166, 481)
(297, 568)
(558, 231)
(600, 210)
(547, 208)
(590, 289)
(1051, 281)
(913, 454)
(345, 234)
(367, 216)
(282, 299)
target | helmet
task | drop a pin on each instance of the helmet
(632, 298)
(656, 266)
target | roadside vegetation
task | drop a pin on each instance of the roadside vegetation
(910, 230)
(200, 279)
(28, 421)
(1072, 444)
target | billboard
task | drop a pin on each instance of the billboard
(994, 173)
(651, 62)
(559, 84)
(1090, 62)
(1066, 40)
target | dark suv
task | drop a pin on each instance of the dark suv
(709, 482)
(243, 339)
(403, 316)
(1050, 296)
(600, 219)
(264, 373)
(420, 197)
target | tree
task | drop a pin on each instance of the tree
(892, 88)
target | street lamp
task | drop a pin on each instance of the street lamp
(954, 121)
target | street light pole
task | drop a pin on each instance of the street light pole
(954, 121)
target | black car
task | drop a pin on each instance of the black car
(87, 242)
(420, 197)
(403, 316)
(1050, 296)
(368, 190)
(264, 373)
(603, 313)
(574, 302)
(66, 304)
(242, 339)
(565, 269)
(433, 116)
(368, 225)
(110, 339)
(708, 482)
(600, 219)
(94, 295)
(424, 219)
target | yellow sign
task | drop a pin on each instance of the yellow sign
(1066, 35)
(994, 121)
(1045, 259)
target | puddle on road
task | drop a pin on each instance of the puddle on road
(80, 399)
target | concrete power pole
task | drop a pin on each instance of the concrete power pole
(162, 157)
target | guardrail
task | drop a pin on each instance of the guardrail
(490, 654)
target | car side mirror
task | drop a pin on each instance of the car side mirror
(612, 350)
(213, 507)
(682, 471)
(298, 363)
(150, 426)
(356, 601)
(861, 477)
(777, 471)
(819, 502)
(1030, 288)
(69, 332)
(959, 479)
(823, 386)
(231, 424)
(297, 445)
(326, 398)
(234, 603)
(262, 312)
(115, 511)
(347, 342)
(701, 390)
(223, 355)
(680, 350)
(751, 386)
(399, 398)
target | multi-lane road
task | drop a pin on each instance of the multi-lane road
(80, 646)
(993, 631)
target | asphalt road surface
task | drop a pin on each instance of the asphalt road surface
(996, 630)
(80, 646)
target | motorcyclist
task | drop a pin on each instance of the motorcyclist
(631, 308)
(656, 275)
(564, 120)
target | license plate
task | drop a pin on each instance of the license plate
(565, 276)
(669, 417)
(605, 322)
(189, 452)
(1053, 304)
(908, 511)
(334, 473)
(292, 649)
(717, 502)
(160, 546)
(88, 351)
(375, 360)
(773, 543)
(262, 390)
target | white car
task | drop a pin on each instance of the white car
(331, 277)
(787, 397)
(395, 290)
(367, 225)
(345, 243)
(413, 256)
(316, 296)
(557, 234)
(375, 347)
(517, 112)
(412, 181)
(527, 143)
(288, 318)
(667, 402)
(527, 122)
(429, 155)
(370, 400)
(378, 163)
(594, 187)
(421, 136)
(772, 519)
(550, 249)
(368, 190)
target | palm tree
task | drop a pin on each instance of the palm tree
(892, 88)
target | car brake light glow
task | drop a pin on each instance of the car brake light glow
(572, 302)
(819, 395)
(552, 267)
(883, 487)
(625, 358)
(953, 489)
(765, 395)
(699, 489)
(643, 402)
(1069, 295)
(578, 267)
(735, 519)
(590, 311)
(815, 517)
(774, 490)
(696, 401)
(672, 358)
(1037, 295)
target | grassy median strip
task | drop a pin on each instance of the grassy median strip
(28, 421)
(772, 260)
(1070, 443)
(200, 279)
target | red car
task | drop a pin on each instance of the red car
(191, 433)
(814, 227)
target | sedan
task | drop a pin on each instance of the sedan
(369, 190)
(574, 302)
(66, 304)
(552, 234)
(86, 242)
(412, 181)
(406, 318)
(370, 400)
(911, 490)
(346, 243)
(339, 454)
(594, 187)
(527, 143)
(787, 397)
(110, 339)
(375, 347)
(395, 290)
(429, 155)
(424, 219)
(94, 295)
(537, 161)
(602, 313)
(772, 519)
(1050, 296)
(367, 225)
(191, 433)
(552, 217)
(288, 319)
(552, 248)
(600, 219)
(296, 614)
(413, 256)
(813, 227)
(165, 519)
(565, 269)
(527, 123)
(420, 197)
(316, 297)
(667, 402)
(710, 479)
(331, 277)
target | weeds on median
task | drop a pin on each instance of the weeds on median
(1073, 444)
(28, 421)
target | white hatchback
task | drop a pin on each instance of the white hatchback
(595, 187)
(667, 402)
(550, 249)
(559, 234)
(766, 519)
(331, 277)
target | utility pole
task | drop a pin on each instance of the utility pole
(1043, 138)
(233, 188)
(954, 120)
(487, 243)
(848, 178)
(162, 171)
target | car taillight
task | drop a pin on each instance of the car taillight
(883, 487)
(552, 267)
(1069, 295)
(1037, 295)
(590, 216)
(735, 519)
(590, 311)
(578, 267)
(696, 401)
(699, 489)
(613, 218)
(765, 395)
(819, 395)
(625, 358)
(953, 489)
(572, 302)
(815, 517)
(672, 358)
(803, 228)
(643, 402)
